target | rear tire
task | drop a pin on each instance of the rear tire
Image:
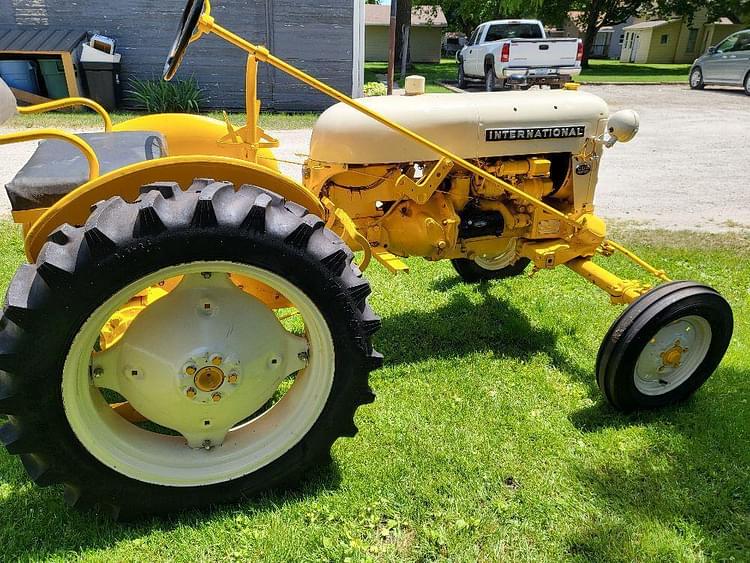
(490, 80)
(696, 79)
(472, 272)
(664, 346)
(79, 270)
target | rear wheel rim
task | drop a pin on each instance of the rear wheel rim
(672, 355)
(250, 443)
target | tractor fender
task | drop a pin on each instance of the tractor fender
(126, 182)
(194, 134)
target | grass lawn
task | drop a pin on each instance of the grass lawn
(85, 119)
(489, 441)
(615, 71)
(599, 71)
(445, 70)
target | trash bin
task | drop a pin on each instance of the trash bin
(103, 81)
(53, 73)
(20, 75)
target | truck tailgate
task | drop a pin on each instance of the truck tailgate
(543, 53)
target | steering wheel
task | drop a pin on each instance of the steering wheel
(188, 23)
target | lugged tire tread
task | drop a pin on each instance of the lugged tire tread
(161, 209)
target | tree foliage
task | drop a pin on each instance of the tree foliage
(465, 15)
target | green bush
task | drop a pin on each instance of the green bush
(159, 96)
(375, 89)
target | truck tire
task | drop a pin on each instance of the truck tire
(461, 75)
(664, 346)
(490, 80)
(472, 271)
(200, 363)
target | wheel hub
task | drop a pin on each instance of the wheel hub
(201, 359)
(672, 355)
(209, 378)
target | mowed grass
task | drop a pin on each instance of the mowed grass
(444, 71)
(489, 441)
(599, 71)
(85, 119)
(615, 71)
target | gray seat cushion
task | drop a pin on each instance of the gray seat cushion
(57, 167)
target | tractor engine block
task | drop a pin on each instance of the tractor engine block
(413, 209)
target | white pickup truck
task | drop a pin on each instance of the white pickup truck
(517, 54)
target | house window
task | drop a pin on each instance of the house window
(692, 38)
(622, 38)
(664, 39)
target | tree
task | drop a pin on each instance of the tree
(465, 15)
(736, 10)
(595, 14)
(403, 21)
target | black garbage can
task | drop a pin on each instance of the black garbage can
(103, 80)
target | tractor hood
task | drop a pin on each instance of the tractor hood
(471, 125)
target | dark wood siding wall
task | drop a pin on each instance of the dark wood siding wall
(316, 36)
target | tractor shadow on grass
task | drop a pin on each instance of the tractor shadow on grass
(462, 327)
(687, 474)
(35, 523)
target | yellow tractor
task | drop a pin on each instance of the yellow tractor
(192, 326)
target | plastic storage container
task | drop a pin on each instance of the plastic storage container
(103, 80)
(20, 75)
(53, 73)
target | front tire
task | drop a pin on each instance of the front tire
(664, 346)
(213, 445)
(696, 79)
(461, 75)
(477, 271)
(747, 84)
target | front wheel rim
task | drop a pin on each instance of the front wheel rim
(695, 78)
(249, 444)
(672, 355)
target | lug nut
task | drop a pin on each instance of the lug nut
(191, 393)
(190, 370)
(216, 397)
(233, 378)
(216, 360)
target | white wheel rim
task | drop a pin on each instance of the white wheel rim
(503, 260)
(168, 460)
(671, 357)
(695, 78)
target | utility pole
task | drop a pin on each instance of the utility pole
(392, 47)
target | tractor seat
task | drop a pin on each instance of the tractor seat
(57, 168)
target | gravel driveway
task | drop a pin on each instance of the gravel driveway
(688, 168)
